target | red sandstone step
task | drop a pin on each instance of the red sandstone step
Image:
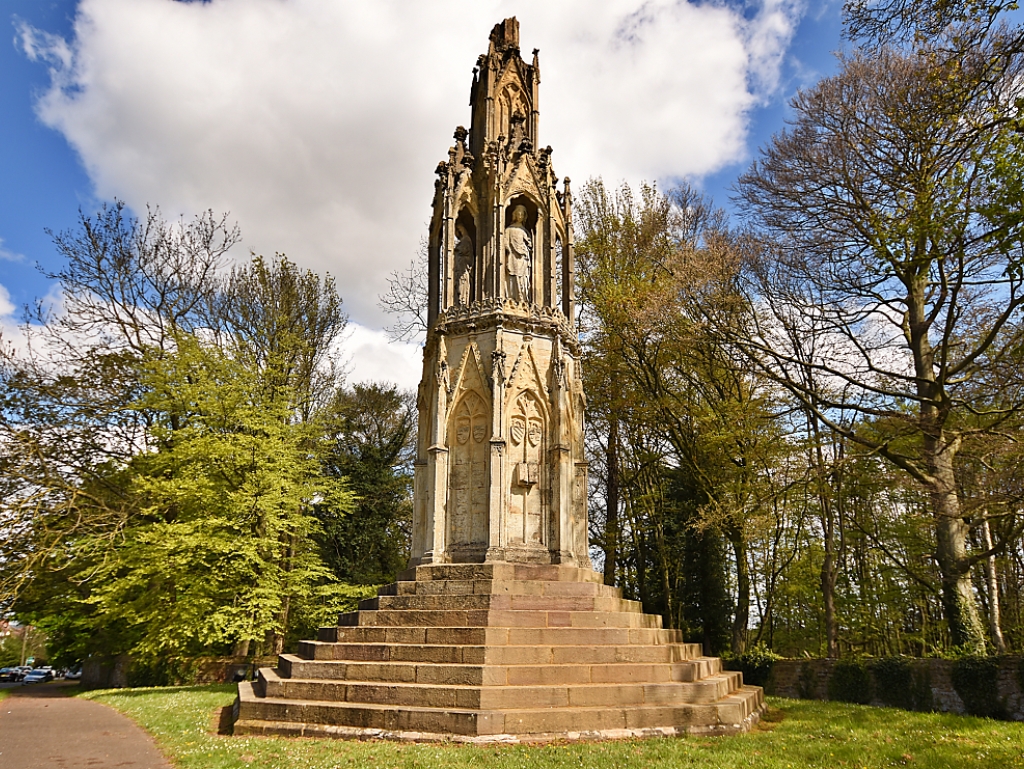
(509, 655)
(299, 717)
(405, 618)
(494, 636)
(292, 667)
(473, 650)
(464, 692)
(500, 587)
(510, 572)
(513, 602)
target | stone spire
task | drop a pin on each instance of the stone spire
(500, 473)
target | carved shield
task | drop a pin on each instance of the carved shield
(518, 430)
(535, 432)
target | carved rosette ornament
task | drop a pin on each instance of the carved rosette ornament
(500, 452)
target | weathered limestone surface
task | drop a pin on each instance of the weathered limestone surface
(497, 652)
(499, 630)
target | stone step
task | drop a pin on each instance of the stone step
(493, 636)
(454, 618)
(492, 601)
(464, 694)
(345, 719)
(511, 655)
(500, 587)
(508, 572)
(293, 667)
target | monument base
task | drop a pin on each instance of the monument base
(497, 652)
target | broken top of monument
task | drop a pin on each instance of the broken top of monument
(500, 473)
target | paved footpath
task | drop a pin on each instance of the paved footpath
(42, 728)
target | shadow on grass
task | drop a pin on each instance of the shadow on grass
(150, 690)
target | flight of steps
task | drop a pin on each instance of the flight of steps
(496, 652)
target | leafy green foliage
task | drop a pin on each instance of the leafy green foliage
(164, 457)
(850, 682)
(894, 683)
(221, 543)
(755, 663)
(975, 679)
(370, 430)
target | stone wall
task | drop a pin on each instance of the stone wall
(116, 672)
(809, 679)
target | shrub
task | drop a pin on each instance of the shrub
(975, 679)
(922, 692)
(756, 664)
(807, 683)
(894, 684)
(850, 682)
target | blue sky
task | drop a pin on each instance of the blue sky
(318, 125)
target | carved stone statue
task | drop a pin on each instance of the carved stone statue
(463, 265)
(517, 256)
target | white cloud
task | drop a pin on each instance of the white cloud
(12, 334)
(318, 125)
(372, 358)
(6, 306)
(6, 255)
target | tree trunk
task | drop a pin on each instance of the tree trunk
(994, 620)
(241, 648)
(611, 523)
(742, 617)
(828, 497)
(951, 530)
(828, 592)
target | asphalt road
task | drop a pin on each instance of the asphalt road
(42, 728)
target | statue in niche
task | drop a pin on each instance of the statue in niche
(469, 476)
(518, 247)
(526, 431)
(463, 265)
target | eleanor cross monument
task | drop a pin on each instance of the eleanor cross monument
(500, 474)
(499, 630)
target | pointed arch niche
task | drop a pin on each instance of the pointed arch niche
(469, 449)
(527, 440)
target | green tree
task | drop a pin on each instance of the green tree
(369, 440)
(894, 239)
(163, 448)
(647, 267)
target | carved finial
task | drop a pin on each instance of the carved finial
(498, 366)
(460, 134)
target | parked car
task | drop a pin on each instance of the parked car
(23, 670)
(10, 674)
(38, 676)
(73, 674)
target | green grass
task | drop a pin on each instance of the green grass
(795, 735)
(4, 693)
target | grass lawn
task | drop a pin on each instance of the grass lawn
(796, 734)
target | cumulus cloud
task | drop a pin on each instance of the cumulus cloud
(372, 358)
(6, 255)
(318, 125)
(6, 306)
(12, 334)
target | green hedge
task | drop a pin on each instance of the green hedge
(850, 682)
(975, 679)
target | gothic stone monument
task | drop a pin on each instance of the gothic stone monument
(499, 629)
